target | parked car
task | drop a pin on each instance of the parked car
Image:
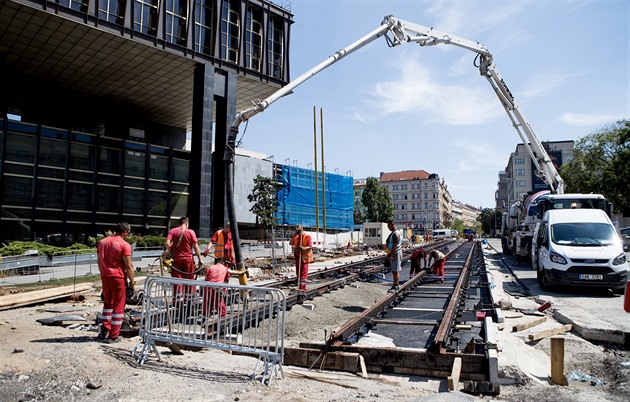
(625, 238)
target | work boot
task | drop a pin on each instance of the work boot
(113, 340)
(102, 335)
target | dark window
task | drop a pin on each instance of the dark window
(80, 196)
(145, 16)
(176, 11)
(203, 26)
(275, 48)
(253, 39)
(108, 198)
(230, 31)
(109, 161)
(112, 11)
(79, 5)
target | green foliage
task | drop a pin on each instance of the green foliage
(378, 203)
(601, 164)
(458, 225)
(146, 241)
(263, 197)
(486, 219)
(19, 247)
(358, 219)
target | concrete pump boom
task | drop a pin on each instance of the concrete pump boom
(398, 32)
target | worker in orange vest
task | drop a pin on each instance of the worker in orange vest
(303, 252)
(223, 247)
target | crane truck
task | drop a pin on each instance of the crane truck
(397, 32)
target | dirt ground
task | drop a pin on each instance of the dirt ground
(50, 363)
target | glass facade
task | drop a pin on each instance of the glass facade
(61, 184)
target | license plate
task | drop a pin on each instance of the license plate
(589, 277)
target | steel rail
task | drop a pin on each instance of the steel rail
(353, 326)
(446, 325)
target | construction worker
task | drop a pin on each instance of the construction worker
(419, 255)
(217, 273)
(117, 274)
(182, 241)
(223, 247)
(303, 252)
(394, 254)
(439, 259)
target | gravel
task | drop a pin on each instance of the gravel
(59, 363)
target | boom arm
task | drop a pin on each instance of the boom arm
(402, 32)
(398, 32)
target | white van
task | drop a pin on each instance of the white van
(440, 234)
(578, 247)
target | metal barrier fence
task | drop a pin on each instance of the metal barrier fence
(246, 319)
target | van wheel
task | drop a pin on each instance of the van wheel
(543, 279)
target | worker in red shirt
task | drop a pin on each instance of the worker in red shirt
(213, 298)
(419, 255)
(303, 252)
(439, 259)
(117, 274)
(182, 241)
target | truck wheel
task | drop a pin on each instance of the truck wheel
(543, 280)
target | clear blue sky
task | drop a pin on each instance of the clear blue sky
(412, 107)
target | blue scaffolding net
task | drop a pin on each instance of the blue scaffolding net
(296, 201)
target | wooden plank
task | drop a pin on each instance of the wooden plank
(550, 332)
(364, 372)
(342, 361)
(380, 359)
(557, 361)
(529, 324)
(37, 296)
(453, 379)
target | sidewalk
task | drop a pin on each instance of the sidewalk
(596, 315)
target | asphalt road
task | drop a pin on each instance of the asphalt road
(596, 314)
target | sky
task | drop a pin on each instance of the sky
(410, 107)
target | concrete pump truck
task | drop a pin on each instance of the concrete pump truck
(398, 32)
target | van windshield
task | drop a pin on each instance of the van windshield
(583, 234)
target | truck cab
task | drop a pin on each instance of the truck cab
(578, 247)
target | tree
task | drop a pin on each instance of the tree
(601, 164)
(486, 219)
(265, 206)
(378, 203)
(358, 219)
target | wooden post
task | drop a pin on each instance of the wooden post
(557, 361)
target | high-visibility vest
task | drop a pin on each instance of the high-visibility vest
(219, 246)
(305, 256)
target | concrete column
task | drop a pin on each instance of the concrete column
(200, 177)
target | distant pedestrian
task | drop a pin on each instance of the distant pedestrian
(182, 241)
(223, 246)
(420, 255)
(303, 252)
(439, 259)
(394, 254)
(117, 275)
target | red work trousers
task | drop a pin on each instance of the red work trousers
(301, 270)
(183, 268)
(114, 298)
(213, 299)
(439, 267)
